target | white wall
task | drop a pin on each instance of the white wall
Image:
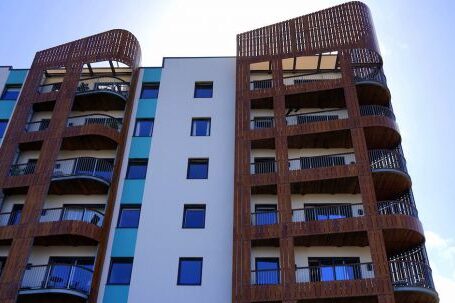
(298, 201)
(161, 239)
(40, 254)
(67, 154)
(48, 114)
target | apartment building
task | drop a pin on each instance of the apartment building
(275, 175)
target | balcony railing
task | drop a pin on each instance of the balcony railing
(47, 88)
(261, 84)
(334, 273)
(84, 166)
(99, 119)
(10, 218)
(411, 274)
(325, 115)
(37, 126)
(264, 218)
(331, 212)
(265, 167)
(321, 161)
(58, 276)
(307, 78)
(263, 122)
(377, 110)
(369, 74)
(395, 207)
(384, 159)
(265, 277)
(22, 169)
(72, 213)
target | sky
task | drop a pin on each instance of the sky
(416, 39)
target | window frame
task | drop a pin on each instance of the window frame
(201, 259)
(143, 120)
(193, 120)
(130, 161)
(128, 206)
(149, 84)
(202, 83)
(124, 260)
(194, 207)
(5, 89)
(193, 160)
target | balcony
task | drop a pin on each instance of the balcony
(37, 126)
(84, 175)
(261, 218)
(95, 119)
(261, 84)
(334, 273)
(265, 276)
(70, 283)
(321, 161)
(310, 77)
(332, 212)
(320, 116)
(72, 213)
(22, 169)
(263, 167)
(262, 122)
(377, 110)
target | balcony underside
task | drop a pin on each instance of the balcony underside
(348, 185)
(88, 142)
(390, 183)
(333, 139)
(67, 233)
(50, 296)
(379, 137)
(99, 101)
(319, 99)
(415, 295)
(372, 93)
(78, 185)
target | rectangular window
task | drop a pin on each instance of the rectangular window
(15, 216)
(143, 128)
(11, 92)
(200, 127)
(267, 271)
(129, 216)
(265, 214)
(3, 124)
(120, 271)
(320, 212)
(150, 90)
(137, 169)
(198, 169)
(334, 268)
(190, 271)
(194, 216)
(203, 90)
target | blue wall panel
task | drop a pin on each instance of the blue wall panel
(116, 293)
(151, 74)
(140, 147)
(146, 108)
(6, 109)
(124, 242)
(17, 76)
(133, 190)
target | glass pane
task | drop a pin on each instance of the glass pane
(150, 92)
(2, 128)
(59, 276)
(144, 128)
(120, 273)
(129, 218)
(137, 170)
(11, 93)
(73, 214)
(267, 271)
(344, 272)
(194, 218)
(201, 127)
(203, 90)
(327, 273)
(198, 170)
(265, 217)
(190, 272)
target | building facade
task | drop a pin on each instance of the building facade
(275, 175)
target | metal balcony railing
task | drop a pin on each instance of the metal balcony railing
(307, 78)
(47, 88)
(264, 218)
(377, 110)
(58, 276)
(265, 167)
(396, 207)
(10, 218)
(37, 126)
(325, 115)
(72, 213)
(381, 159)
(321, 161)
(84, 166)
(331, 212)
(263, 122)
(265, 276)
(22, 169)
(99, 119)
(261, 84)
(411, 274)
(369, 74)
(334, 273)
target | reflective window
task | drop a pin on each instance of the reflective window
(200, 127)
(190, 271)
(203, 90)
(194, 216)
(267, 271)
(137, 169)
(3, 124)
(143, 128)
(129, 217)
(198, 169)
(120, 271)
(265, 214)
(150, 90)
(11, 93)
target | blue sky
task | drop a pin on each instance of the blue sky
(416, 40)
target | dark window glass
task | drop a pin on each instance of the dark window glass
(267, 271)
(129, 217)
(11, 93)
(2, 263)
(62, 273)
(190, 271)
(120, 271)
(265, 214)
(200, 127)
(198, 169)
(150, 91)
(203, 90)
(143, 128)
(3, 124)
(194, 216)
(330, 269)
(15, 216)
(320, 212)
(137, 169)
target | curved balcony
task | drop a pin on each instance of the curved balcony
(95, 119)
(110, 93)
(334, 273)
(70, 283)
(72, 213)
(81, 175)
(377, 110)
(22, 169)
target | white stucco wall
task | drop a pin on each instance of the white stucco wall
(161, 240)
(40, 254)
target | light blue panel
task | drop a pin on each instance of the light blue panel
(116, 294)
(140, 147)
(16, 76)
(133, 190)
(146, 108)
(124, 242)
(6, 109)
(151, 74)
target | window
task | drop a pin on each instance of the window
(194, 216)
(120, 271)
(137, 169)
(330, 269)
(264, 165)
(267, 271)
(150, 90)
(3, 124)
(203, 90)
(11, 93)
(200, 127)
(129, 216)
(190, 271)
(320, 212)
(2, 263)
(265, 214)
(198, 169)
(70, 271)
(143, 128)
(15, 216)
